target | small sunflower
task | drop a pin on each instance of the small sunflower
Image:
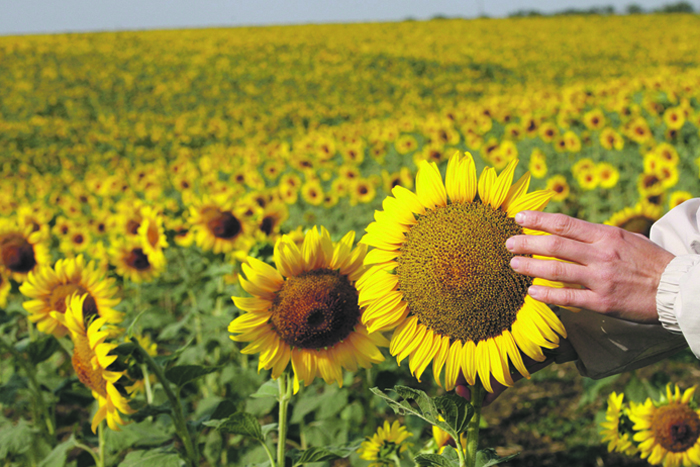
(152, 234)
(132, 262)
(49, 287)
(617, 427)
(559, 186)
(22, 250)
(386, 445)
(306, 310)
(440, 275)
(637, 219)
(218, 226)
(91, 361)
(668, 431)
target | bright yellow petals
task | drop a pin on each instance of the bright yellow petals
(306, 310)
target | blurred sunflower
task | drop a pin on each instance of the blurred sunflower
(386, 445)
(611, 139)
(678, 197)
(91, 361)
(21, 249)
(152, 234)
(608, 175)
(617, 427)
(559, 186)
(132, 262)
(48, 288)
(216, 225)
(306, 310)
(668, 432)
(453, 298)
(637, 219)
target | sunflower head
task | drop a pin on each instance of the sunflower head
(305, 310)
(440, 275)
(617, 427)
(385, 445)
(668, 431)
(22, 249)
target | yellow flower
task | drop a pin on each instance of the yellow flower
(306, 310)
(440, 275)
(613, 431)
(538, 164)
(132, 262)
(49, 288)
(611, 139)
(559, 186)
(668, 432)
(22, 250)
(312, 192)
(608, 175)
(637, 219)
(216, 225)
(594, 119)
(91, 359)
(679, 197)
(4, 288)
(152, 234)
(387, 443)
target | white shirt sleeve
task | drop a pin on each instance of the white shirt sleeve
(678, 296)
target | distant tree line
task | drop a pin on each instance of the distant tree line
(632, 9)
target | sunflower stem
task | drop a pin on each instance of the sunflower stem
(89, 450)
(147, 383)
(176, 414)
(285, 395)
(477, 393)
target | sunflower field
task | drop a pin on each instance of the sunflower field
(281, 246)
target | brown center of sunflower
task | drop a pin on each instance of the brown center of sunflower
(454, 272)
(223, 224)
(58, 296)
(676, 427)
(137, 259)
(315, 309)
(17, 254)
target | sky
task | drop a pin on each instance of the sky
(52, 16)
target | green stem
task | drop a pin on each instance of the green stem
(285, 395)
(477, 393)
(147, 383)
(101, 437)
(269, 454)
(89, 451)
(177, 415)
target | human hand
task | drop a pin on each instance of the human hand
(619, 270)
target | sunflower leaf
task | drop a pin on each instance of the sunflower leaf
(57, 457)
(455, 410)
(151, 457)
(323, 454)
(269, 388)
(427, 409)
(242, 423)
(488, 457)
(183, 374)
(434, 460)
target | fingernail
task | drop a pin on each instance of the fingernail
(515, 262)
(520, 218)
(533, 292)
(510, 243)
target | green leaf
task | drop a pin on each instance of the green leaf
(434, 460)
(269, 388)
(57, 457)
(427, 410)
(488, 457)
(455, 410)
(124, 350)
(266, 429)
(183, 374)
(150, 411)
(152, 458)
(15, 439)
(225, 408)
(38, 350)
(324, 454)
(242, 423)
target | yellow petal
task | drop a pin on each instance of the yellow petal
(429, 187)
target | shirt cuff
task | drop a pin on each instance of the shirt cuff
(668, 290)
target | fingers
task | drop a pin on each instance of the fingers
(579, 298)
(550, 245)
(560, 224)
(551, 270)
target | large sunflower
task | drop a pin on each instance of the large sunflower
(91, 360)
(22, 249)
(48, 289)
(306, 310)
(668, 432)
(440, 275)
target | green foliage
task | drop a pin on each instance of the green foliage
(183, 374)
(152, 458)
